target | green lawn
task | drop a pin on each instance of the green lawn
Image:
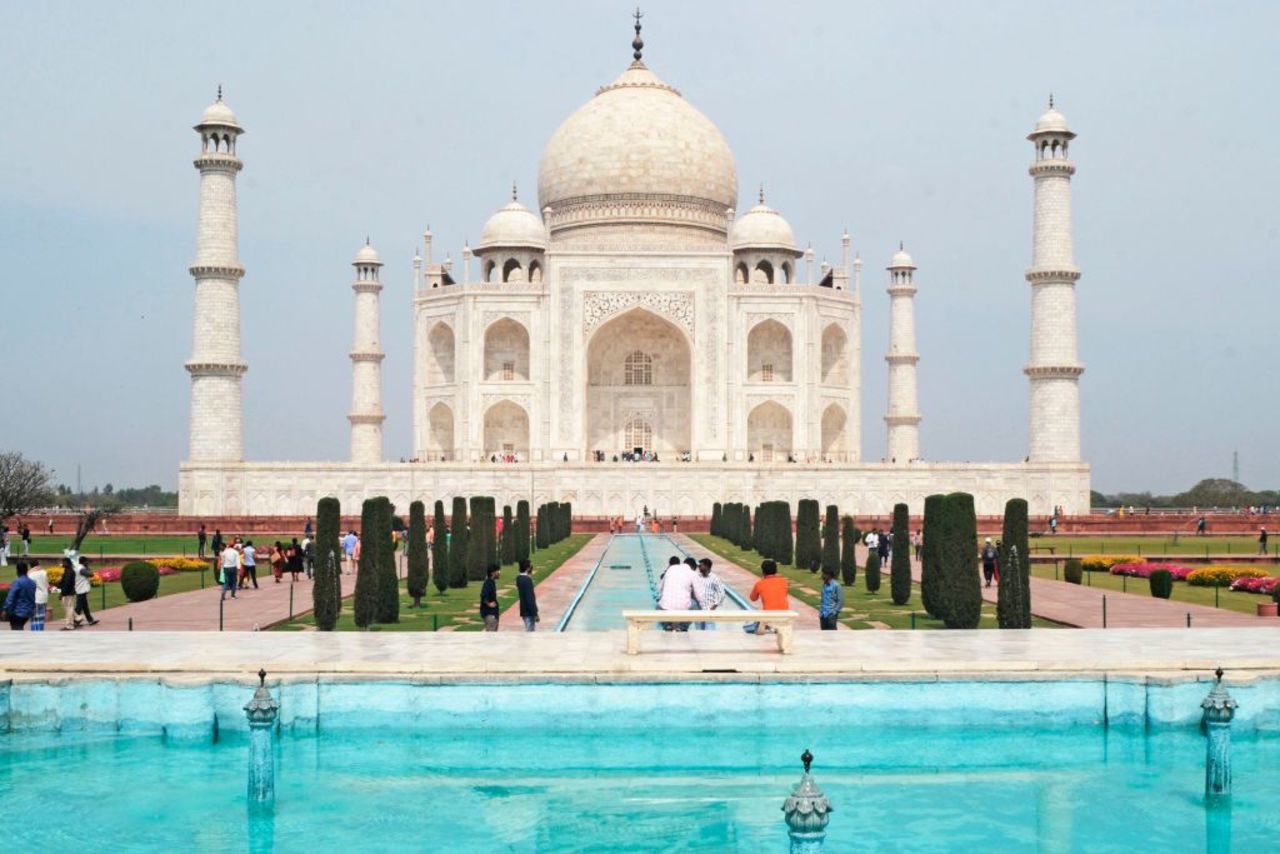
(862, 609)
(456, 608)
(1074, 545)
(158, 545)
(1182, 592)
(179, 582)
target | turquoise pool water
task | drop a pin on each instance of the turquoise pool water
(627, 577)
(686, 787)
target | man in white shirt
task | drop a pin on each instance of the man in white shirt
(230, 571)
(676, 593)
(41, 578)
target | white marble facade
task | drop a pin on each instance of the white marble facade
(634, 310)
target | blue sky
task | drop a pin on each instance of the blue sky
(899, 120)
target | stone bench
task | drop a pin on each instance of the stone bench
(781, 622)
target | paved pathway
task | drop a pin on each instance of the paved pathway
(198, 609)
(1081, 605)
(557, 590)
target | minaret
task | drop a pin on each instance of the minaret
(366, 361)
(855, 409)
(903, 416)
(1054, 368)
(217, 415)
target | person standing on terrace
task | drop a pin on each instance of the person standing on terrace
(528, 599)
(832, 600)
(1262, 541)
(202, 537)
(489, 598)
(41, 579)
(230, 563)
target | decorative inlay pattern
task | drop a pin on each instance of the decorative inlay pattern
(599, 306)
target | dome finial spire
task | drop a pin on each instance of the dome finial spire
(762, 192)
(219, 91)
(514, 195)
(1051, 100)
(901, 247)
(637, 44)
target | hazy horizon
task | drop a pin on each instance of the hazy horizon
(900, 121)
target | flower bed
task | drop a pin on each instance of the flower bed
(1103, 563)
(1144, 570)
(1221, 576)
(1265, 586)
(178, 564)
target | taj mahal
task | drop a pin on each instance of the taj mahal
(634, 339)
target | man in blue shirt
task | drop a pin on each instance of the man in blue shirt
(832, 599)
(20, 604)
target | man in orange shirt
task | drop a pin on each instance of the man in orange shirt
(770, 592)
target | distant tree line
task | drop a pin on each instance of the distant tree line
(1210, 492)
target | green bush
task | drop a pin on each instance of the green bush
(480, 551)
(440, 550)
(367, 586)
(900, 558)
(785, 541)
(748, 540)
(388, 576)
(716, 509)
(1161, 581)
(930, 556)
(808, 539)
(140, 581)
(522, 531)
(848, 557)
(326, 593)
(508, 545)
(416, 557)
(1013, 599)
(831, 540)
(1073, 571)
(872, 572)
(962, 586)
(458, 544)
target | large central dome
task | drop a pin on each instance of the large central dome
(637, 153)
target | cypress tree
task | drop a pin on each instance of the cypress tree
(477, 555)
(522, 531)
(367, 586)
(388, 575)
(872, 574)
(755, 529)
(748, 540)
(808, 546)
(961, 583)
(715, 518)
(508, 545)
(458, 544)
(785, 542)
(848, 555)
(568, 519)
(930, 576)
(831, 540)
(540, 527)
(1013, 600)
(440, 550)
(326, 593)
(900, 561)
(553, 523)
(416, 556)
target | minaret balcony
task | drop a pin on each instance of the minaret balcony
(216, 271)
(1060, 166)
(1051, 372)
(217, 162)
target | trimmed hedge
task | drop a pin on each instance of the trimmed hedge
(480, 545)
(440, 550)
(717, 510)
(808, 550)
(962, 586)
(388, 578)
(930, 556)
(522, 530)
(326, 593)
(416, 557)
(508, 544)
(367, 588)
(1013, 599)
(872, 572)
(139, 581)
(848, 555)
(831, 540)
(1161, 582)
(1072, 571)
(900, 557)
(458, 544)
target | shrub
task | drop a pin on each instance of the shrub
(716, 530)
(1072, 571)
(1144, 570)
(848, 555)
(900, 556)
(458, 543)
(962, 587)
(831, 539)
(416, 554)
(1161, 582)
(477, 545)
(140, 581)
(508, 545)
(1013, 599)
(1220, 576)
(522, 531)
(808, 545)
(872, 572)
(785, 540)
(440, 549)
(181, 564)
(748, 534)
(930, 574)
(367, 587)
(1103, 563)
(388, 576)
(326, 593)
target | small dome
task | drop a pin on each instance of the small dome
(1052, 122)
(368, 255)
(513, 226)
(218, 113)
(902, 259)
(762, 228)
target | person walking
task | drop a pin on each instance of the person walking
(217, 543)
(675, 593)
(293, 560)
(989, 557)
(230, 562)
(528, 599)
(1262, 541)
(84, 584)
(832, 600)
(40, 577)
(20, 603)
(489, 598)
(249, 555)
(4, 545)
(24, 531)
(1202, 525)
(51, 526)
(309, 556)
(307, 530)
(349, 548)
(278, 561)
(917, 543)
(882, 547)
(708, 591)
(202, 538)
(67, 593)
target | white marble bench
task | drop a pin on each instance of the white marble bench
(780, 621)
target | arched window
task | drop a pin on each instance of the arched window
(489, 267)
(512, 271)
(535, 272)
(763, 274)
(638, 369)
(639, 434)
(740, 275)
(786, 273)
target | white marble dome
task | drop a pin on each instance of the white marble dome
(513, 226)
(1052, 122)
(638, 136)
(218, 113)
(762, 228)
(901, 259)
(368, 255)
